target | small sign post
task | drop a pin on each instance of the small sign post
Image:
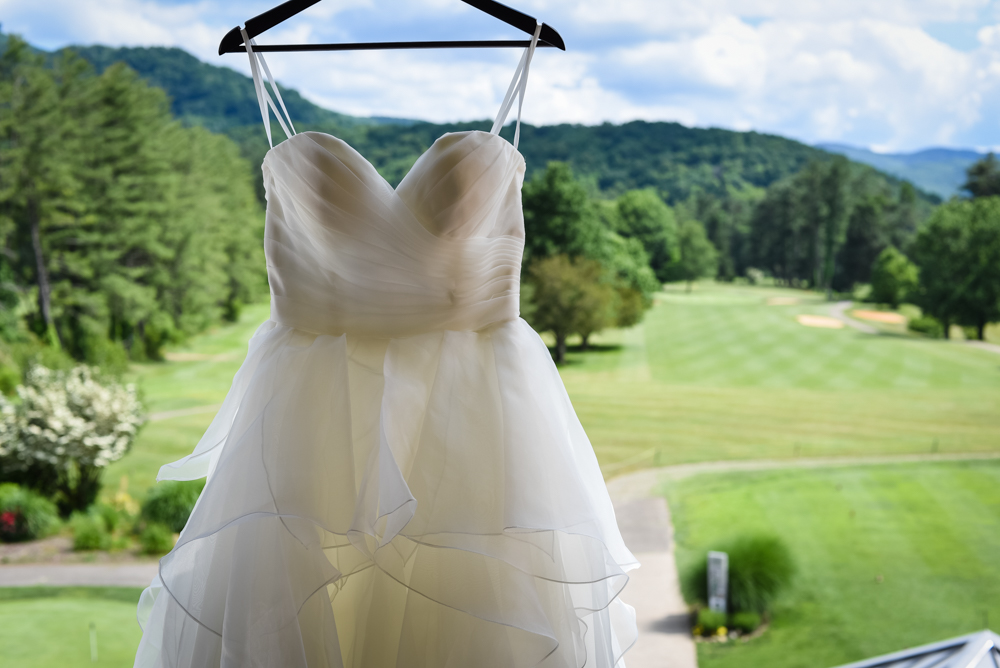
(718, 581)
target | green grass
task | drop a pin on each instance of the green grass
(170, 386)
(44, 627)
(720, 374)
(931, 531)
(712, 374)
(715, 374)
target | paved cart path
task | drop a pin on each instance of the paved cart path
(653, 590)
(78, 575)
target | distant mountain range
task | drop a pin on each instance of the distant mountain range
(674, 159)
(937, 170)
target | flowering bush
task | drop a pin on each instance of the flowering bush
(67, 427)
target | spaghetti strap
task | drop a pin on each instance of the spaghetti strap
(517, 85)
(263, 97)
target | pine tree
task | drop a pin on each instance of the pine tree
(129, 227)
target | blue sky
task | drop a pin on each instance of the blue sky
(892, 75)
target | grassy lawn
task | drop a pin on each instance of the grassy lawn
(721, 374)
(49, 627)
(178, 385)
(718, 373)
(931, 531)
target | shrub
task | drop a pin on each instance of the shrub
(927, 325)
(10, 378)
(67, 427)
(24, 514)
(171, 503)
(110, 356)
(114, 519)
(710, 621)
(760, 567)
(156, 539)
(89, 532)
(747, 622)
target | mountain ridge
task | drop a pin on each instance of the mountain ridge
(210, 95)
(938, 170)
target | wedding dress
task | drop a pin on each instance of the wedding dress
(397, 477)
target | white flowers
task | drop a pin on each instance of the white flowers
(67, 417)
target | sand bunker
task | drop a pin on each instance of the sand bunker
(880, 316)
(782, 301)
(819, 321)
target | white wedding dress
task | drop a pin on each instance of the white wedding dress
(397, 477)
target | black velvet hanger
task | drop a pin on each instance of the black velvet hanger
(233, 41)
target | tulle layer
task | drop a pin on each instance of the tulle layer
(429, 501)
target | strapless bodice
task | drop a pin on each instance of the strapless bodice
(347, 253)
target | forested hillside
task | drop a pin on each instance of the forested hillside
(675, 160)
(217, 98)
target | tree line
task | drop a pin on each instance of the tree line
(592, 262)
(122, 230)
(951, 266)
(957, 255)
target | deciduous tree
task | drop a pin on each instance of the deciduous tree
(642, 215)
(983, 177)
(698, 257)
(958, 253)
(894, 278)
(570, 296)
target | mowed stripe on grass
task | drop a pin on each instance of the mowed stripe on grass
(715, 374)
(720, 374)
(889, 556)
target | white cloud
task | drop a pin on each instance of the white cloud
(856, 71)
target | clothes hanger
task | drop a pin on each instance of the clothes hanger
(233, 41)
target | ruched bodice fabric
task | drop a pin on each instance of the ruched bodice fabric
(347, 253)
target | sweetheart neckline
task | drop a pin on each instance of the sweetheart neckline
(375, 169)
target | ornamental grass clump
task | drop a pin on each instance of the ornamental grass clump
(67, 427)
(760, 568)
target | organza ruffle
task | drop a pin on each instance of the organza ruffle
(429, 501)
